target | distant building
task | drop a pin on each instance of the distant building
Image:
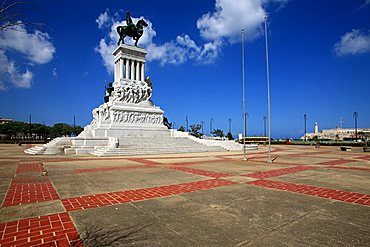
(316, 128)
(338, 133)
(6, 120)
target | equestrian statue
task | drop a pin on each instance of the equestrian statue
(131, 30)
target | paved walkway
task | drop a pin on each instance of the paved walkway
(307, 197)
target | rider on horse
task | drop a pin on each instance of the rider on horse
(131, 30)
(130, 25)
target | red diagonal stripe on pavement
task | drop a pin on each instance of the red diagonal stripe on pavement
(338, 195)
(112, 198)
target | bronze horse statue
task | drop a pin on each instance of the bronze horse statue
(134, 31)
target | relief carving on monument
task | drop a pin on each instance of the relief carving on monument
(101, 114)
(131, 92)
(127, 117)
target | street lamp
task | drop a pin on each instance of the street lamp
(355, 116)
(243, 99)
(187, 124)
(74, 125)
(268, 92)
(229, 125)
(210, 127)
(30, 127)
(305, 119)
(202, 123)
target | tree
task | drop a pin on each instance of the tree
(195, 128)
(229, 136)
(182, 128)
(218, 132)
(12, 14)
(22, 130)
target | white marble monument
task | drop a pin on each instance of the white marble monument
(128, 110)
(128, 123)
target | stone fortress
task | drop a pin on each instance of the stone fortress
(128, 123)
(337, 134)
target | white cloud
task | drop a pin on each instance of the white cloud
(9, 72)
(103, 19)
(230, 18)
(54, 72)
(19, 80)
(2, 86)
(36, 46)
(105, 50)
(183, 49)
(353, 43)
(226, 22)
(367, 2)
(177, 51)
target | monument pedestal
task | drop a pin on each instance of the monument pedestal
(119, 119)
(128, 112)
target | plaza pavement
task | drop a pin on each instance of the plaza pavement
(307, 197)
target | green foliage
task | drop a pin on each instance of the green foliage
(182, 128)
(218, 132)
(22, 130)
(229, 136)
(61, 129)
(195, 128)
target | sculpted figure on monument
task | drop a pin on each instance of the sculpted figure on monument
(131, 30)
(131, 92)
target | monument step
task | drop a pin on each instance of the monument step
(119, 152)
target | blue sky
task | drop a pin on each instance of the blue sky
(319, 61)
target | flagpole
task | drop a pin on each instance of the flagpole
(244, 115)
(268, 94)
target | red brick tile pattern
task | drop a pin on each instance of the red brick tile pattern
(351, 168)
(364, 157)
(338, 195)
(49, 230)
(311, 153)
(188, 163)
(25, 168)
(278, 172)
(112, 168)
(143, 161)
(200, 172)
(112, 198)
(6, 175)
(7, 163)
(23, 193)
(336, 162)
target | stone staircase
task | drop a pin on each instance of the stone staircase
(55, 146)
(155, 145)
(226, 144)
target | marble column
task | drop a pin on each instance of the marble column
(142, 72)
(127, 68)
(120, 69)
(115, 72)
(137, 75)
(132, 68)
